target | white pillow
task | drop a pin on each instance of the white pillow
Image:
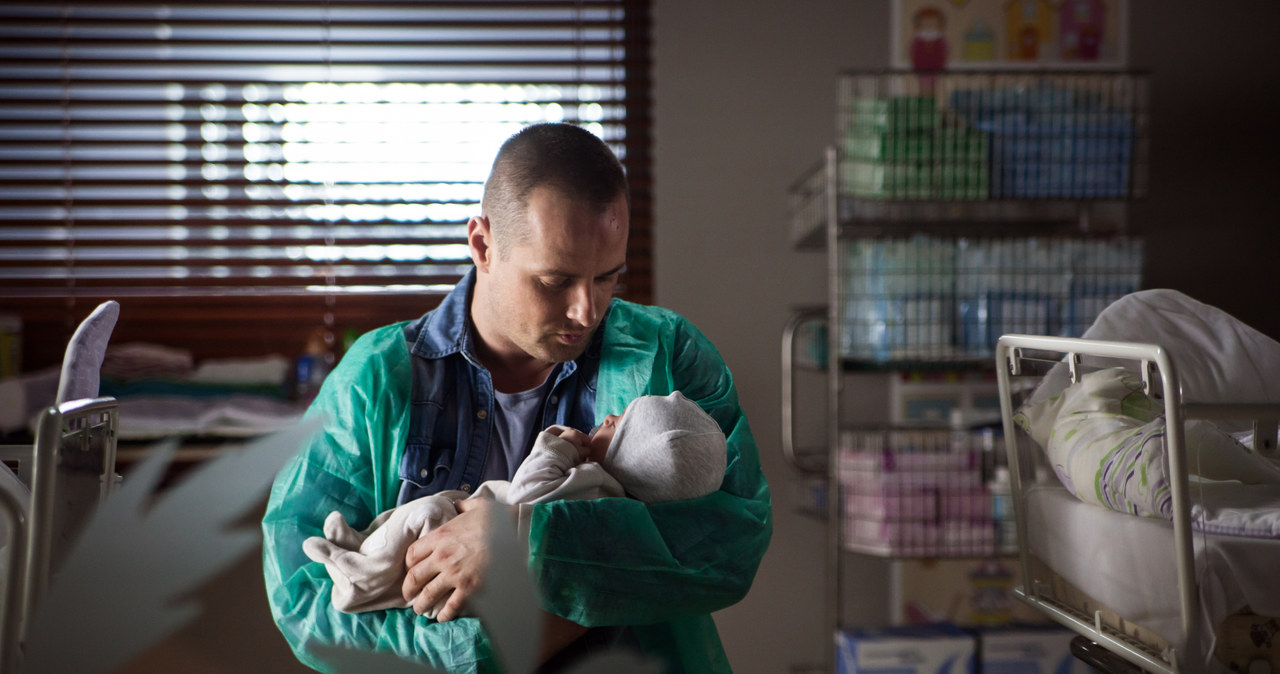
(1218, 358)
(82, 364)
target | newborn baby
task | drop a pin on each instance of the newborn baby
(662, 448)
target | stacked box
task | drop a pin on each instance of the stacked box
(962, 165)
(1058, 158)
(1048, 143)
(922, 649)
(1042, 286)
(899, 299)
(1104, 272)
(905, 148)
(888, 146)
(962, 137)
(928, 298)
(914, 492)
(943, 648)
(1028, 649)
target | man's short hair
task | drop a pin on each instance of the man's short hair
(564, 157)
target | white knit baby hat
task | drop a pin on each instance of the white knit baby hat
(666, 448)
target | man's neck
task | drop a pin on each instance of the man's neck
(512, 369)
(512, 373)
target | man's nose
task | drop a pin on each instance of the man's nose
(582, 306)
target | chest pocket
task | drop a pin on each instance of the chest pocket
(429, 452)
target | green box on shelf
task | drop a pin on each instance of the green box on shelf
(893, 115)
(961, 143)
(889, 146)
(962, 180)
(887, 180)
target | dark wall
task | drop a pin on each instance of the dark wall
(1212, 219)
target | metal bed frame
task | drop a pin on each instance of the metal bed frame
(77, 436)
(1023, 355)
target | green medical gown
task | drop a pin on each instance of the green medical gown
(660, 568)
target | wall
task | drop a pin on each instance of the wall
(745, 102)
(1211, 218)
(745, 95)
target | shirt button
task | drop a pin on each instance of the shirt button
(482, 414)
(466, 488)
(422, 473)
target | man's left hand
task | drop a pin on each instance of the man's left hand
(449, 561)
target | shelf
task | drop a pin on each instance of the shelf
(1005, 553)
(979, 363)
(982, 153)
(863, 218)
(954, 208)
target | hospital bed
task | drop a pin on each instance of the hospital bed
(57, 480)
(1144, 593)
(69, 469)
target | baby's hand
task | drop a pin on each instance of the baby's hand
(577, 438)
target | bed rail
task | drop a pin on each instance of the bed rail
(1155, 362)
(74, 439)
(15, 555)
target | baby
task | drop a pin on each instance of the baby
(662, 448)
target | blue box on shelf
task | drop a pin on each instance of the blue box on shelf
(916, 649)
(1028, 649)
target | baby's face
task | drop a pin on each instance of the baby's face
(601, 438)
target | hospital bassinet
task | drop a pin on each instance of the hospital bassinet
(1157, 594)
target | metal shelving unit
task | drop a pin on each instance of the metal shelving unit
(954, 208)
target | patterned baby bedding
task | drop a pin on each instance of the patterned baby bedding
(1105, 439)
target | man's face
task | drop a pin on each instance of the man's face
(547, 293)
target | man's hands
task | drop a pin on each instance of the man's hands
(450, 561)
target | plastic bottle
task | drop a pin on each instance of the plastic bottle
(1002, 510)
(312, 367)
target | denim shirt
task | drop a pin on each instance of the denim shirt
(451, 408)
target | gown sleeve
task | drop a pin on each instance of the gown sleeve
(351, 466)
(623, 562)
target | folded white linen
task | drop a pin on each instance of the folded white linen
(147, 417)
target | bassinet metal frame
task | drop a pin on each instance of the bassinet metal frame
(1014, 358)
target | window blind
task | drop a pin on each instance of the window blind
(242, 177)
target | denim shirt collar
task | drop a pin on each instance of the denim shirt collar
(447, 329)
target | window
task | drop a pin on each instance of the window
(244, 176)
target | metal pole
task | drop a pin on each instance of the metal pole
(40, 525)
(835, 529)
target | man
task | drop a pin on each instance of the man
(529, 338)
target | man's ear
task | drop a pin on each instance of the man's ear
(480, 240)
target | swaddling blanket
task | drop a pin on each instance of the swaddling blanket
(367, 567)
(1105, 439)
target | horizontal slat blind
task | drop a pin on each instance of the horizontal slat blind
(238, 175)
